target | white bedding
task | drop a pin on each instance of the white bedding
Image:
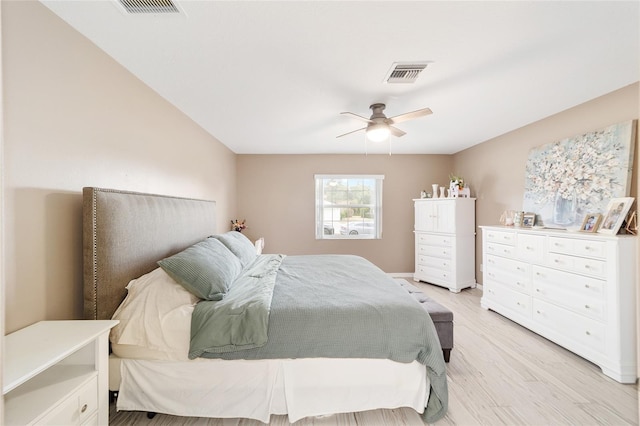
(151, 370)
(256, 389)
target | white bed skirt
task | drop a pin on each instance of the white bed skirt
(256, 389)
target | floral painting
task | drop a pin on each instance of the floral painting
(569, 179)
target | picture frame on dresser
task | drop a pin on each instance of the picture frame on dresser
(615, 214)
(591, 222)
(528, 220)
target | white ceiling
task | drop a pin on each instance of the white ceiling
(273, 76)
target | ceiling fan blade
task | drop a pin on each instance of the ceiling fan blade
(348, 133)
(396, 132)
(409, 116)
(357, 117)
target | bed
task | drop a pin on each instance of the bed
(126, 234)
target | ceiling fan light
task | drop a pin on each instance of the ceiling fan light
(378, 132)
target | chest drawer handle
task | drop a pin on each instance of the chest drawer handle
(84, 408)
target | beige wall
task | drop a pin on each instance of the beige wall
(277, 198)
(495, 169)
(73, 118)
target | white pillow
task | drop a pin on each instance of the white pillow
(259, 245)
(156, 314)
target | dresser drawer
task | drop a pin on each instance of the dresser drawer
(434, 275)
(501, 250)
(578, 303)
(517, 282)
(516, 302)
(576, 247)
(582, 265)
(530, 247)
(512, 266)
(435, 240)
(435, 262)
(501, 237)
(571, 326)
(576, 284)
(435, 251)
(77, 408)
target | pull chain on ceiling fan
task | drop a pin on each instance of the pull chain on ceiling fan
(379, 127)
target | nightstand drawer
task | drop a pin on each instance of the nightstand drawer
(77, 408)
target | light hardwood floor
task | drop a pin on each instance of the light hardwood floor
(500, 374)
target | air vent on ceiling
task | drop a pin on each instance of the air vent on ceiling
(404, 72)
(149, 6)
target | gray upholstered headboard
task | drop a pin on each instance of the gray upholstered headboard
(126, 233)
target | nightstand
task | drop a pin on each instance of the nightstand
(56, 372)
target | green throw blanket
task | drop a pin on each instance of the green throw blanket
(329, 306)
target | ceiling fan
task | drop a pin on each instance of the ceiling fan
(379, 127)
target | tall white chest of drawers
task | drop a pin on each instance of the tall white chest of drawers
(576, 289)
(445, 242)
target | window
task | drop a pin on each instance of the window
(349, 206)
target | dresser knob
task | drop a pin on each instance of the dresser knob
(586, 266)
(586, 306)
(537, 312)
(587, 333)
(586, 286)
(84, 408)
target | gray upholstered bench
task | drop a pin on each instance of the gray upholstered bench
(442, 317)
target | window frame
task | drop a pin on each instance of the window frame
(319, 180)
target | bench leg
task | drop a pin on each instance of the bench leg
(447, 354)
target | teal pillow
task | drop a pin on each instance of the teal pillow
(239, 245)
(206, 269)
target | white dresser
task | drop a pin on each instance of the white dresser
(56, 373)
(576, 289)
(445, 242)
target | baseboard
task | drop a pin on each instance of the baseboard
(400, 274)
